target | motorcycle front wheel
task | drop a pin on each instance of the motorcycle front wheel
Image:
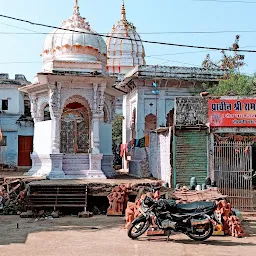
(138, 228)
(202, 236)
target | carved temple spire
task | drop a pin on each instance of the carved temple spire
(76, 8)
(123, 12)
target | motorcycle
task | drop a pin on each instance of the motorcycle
(196, 219)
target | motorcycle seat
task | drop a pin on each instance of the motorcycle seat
(195, 206)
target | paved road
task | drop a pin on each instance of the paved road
(102, 235)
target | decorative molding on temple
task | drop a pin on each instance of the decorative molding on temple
(191, 111)
(178, 73)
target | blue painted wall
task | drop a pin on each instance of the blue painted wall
(9, 153)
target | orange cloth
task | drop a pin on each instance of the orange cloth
(147, 140)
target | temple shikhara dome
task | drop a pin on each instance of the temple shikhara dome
(84, 51)
(126, 53)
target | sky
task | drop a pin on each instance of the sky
(20, 53)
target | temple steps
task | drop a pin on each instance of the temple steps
(76, 164)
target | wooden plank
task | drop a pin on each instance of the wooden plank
(59, 205)
(47, 195)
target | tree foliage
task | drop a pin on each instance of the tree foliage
(233, 83)
(229, 62)
(117, 129)
(117, 138)
(236, 84)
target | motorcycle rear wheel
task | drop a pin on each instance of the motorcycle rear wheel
(203, 237)
(140, 226)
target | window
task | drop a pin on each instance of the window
(47, 115)
(4, 104)
(3, 142)
(27, 108)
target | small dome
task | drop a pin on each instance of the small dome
(63, 45)
(126, 53)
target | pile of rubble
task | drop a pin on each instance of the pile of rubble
(184, 195)
(13, 195)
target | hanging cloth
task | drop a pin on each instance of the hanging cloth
(1, 135)
(142, 142)
(123, 148)
(147, 140)
(132, 143)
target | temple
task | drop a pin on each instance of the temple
(72, 104)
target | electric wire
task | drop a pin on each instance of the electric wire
(141, 33)
(130, 39)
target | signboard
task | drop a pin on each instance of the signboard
(232, 112)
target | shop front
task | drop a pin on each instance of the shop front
(232, 122)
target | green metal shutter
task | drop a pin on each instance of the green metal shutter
(190, 156)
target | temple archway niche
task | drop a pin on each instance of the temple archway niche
(169, 118)
(106, 117)
(75, 127)
(150, 123)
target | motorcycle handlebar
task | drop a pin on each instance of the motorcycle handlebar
(149, 201)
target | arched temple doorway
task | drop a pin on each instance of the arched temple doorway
(150, 123)
(169, 118)
(75, 129)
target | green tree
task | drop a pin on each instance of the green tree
(117, 129)
(236, 84)
(117, 138)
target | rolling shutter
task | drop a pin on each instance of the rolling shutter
(190, 156)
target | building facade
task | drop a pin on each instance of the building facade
(16, 125)
(149, 108)
(215, 137)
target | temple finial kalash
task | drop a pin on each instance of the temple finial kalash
(76, 8)
(123, 11)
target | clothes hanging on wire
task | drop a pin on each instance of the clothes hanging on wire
(123, 149)
(147, 140)
(142, 142)
(139, 143)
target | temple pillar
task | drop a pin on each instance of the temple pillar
(95, 155)
(161, 116)
(56, 157)
(140, 115)
(34, 108)
(96, 135)
(54, 107)
(56, 135)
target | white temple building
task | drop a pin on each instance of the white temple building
(72, 104)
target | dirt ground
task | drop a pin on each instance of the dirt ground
(101, 235)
